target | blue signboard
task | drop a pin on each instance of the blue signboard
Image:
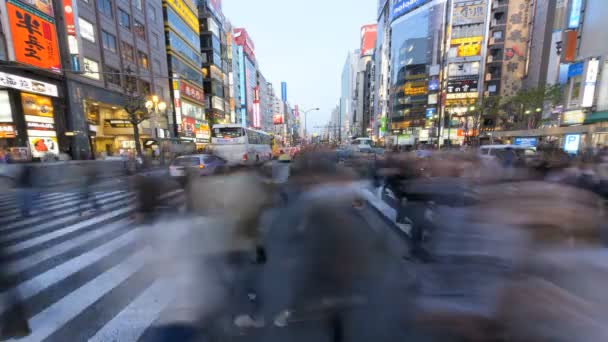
(430, 112)
(572, 143)
(284, 91)
(575, 14)
(433, 84)
(401, 7)
(525, 141)
(575, 69)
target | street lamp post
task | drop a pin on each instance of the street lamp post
(155, 108)
(306, 120)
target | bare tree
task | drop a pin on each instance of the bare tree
(135, 107)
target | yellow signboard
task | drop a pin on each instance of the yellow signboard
(185, 13)
(466, 40)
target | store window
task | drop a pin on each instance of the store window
(143, 60)
(109, 41)
(140, 30)
(127, 51)
(124, 19)
(112, 75)
(105, 7)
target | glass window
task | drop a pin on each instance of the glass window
(87, 30)
(156, 66)
(124, 19)
(137, 4)
(143, 60)
(155, 40)
(178, 45)
(217, 46)
(186, 71)
(152, 12)
(145, 87)
(127, 51)
(140, 30)
(184, 30)
(131, 83)
(105, 7)
(228, 132)
(112, 75)
(109, 41)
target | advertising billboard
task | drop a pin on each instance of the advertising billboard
(43, 6)
(467, 13)
(401, 7)
(69, 13)
(185, 13)
(464, 85)
(575, 14)
(250, 84)
(277, 119)
(34, 38)
(590, 82)
(467, 47)
(28, 84)
(43, 145)
(191, 92)
(369, 33)
(241, 38)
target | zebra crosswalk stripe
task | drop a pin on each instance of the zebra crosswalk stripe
(131, 323)
(58, 314)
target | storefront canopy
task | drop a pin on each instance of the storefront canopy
(596, 117)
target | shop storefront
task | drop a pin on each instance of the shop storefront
(31, 127)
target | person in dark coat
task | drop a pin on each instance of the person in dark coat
(25, 189)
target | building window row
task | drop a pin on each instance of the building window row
(182, 29)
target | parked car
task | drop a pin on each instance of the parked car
(204, 164)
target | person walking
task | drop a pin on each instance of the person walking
(87, 195)
(25, 189)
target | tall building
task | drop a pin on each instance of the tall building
(364, 80)
(214, 52)
(247, 77)
(119, 48)
(381, 70)
(347, 92)
(184, 61)
(417, 36)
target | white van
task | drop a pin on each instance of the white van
(239, 145)
(494, 151)
(362, 144)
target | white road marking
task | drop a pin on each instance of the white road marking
(54, 317)
(132, 322)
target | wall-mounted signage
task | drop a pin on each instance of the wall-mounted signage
(466, 85)
(467, 13)
(7, 131)
(573, 117)
(572, 143)
(27, 84)
(590, 81)
(6, 113)
(117, 123)
(191, 92)
(575, 14)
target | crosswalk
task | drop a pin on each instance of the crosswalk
(81, 273)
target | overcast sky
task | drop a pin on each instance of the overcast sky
(304, 43)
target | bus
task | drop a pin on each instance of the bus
(239, 145)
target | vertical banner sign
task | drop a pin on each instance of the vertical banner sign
(590, 81)
(69, 13)
(284, 91)
(575, 14)
(34, 37)
(177, 103)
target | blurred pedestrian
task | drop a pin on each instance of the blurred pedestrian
(25, 189)
(87, 194)
(148, 191)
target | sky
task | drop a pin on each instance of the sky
(304, 43)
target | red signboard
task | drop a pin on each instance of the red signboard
(34, 38)
(277, 119)
(368, 39)
(571, 41)
(68, 12)
(241, 38)
(191, 92)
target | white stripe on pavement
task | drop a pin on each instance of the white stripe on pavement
(131, 323)
(12, 203)
(54, 317)
(71, 207)
(16, 212)
(43, 281)
(46, 254)
(107, 203)
(61, 232)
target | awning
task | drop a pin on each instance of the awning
(596, 117)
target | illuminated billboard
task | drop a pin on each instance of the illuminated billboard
(241, 38)
(34, 38)
(250, 84)
(401, 7)
(369, 34)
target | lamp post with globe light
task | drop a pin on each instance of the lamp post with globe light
(157, 109)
